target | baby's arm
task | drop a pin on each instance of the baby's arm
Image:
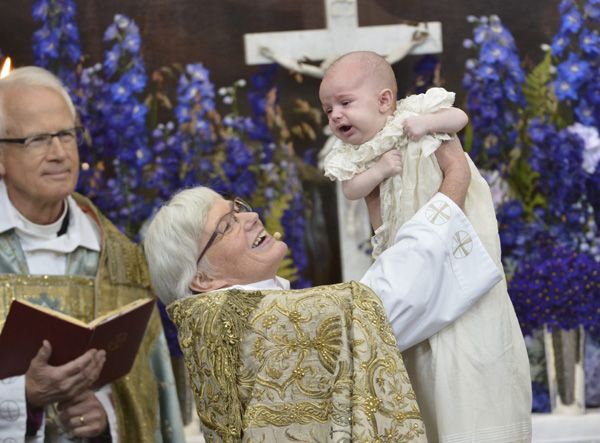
(447, 120)
(362, 184)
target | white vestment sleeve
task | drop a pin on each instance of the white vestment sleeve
(13, 409)
(436, 269)
(104, 396)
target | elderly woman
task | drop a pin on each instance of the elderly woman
(272, 364)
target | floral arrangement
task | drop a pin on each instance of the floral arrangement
(143, 145)
(538, 132)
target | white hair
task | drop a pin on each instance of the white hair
(32, 76)
(172, 242)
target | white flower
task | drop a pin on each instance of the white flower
(470, 64)
(591, 145)
(121, 21)
(498, 186)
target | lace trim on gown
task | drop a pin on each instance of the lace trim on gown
(346, 160)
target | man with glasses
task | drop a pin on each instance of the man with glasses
(272, 364)
(57, 250)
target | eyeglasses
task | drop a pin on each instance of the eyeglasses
(69, 138)
(226, 222)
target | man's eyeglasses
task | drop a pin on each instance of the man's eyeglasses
(69, 138)
(226, 222)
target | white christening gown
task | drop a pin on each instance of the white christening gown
(472, 378)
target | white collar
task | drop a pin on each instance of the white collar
(277, 283)
(81, 232)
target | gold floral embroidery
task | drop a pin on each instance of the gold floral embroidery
(319, 364)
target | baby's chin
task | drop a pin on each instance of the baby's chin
(356, 138)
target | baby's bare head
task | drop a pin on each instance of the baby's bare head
(369, 66)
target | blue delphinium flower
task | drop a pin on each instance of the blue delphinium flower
(576, 54)
(131, 163)
(56, 44)
(493, 81)
(541, 397)
(556, 286)
(115, 115)
(425, 71)
(549, 228)
(279, 169)
(571, 21)
(589, 42)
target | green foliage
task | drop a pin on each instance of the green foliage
(537, 90)
(523, 183)
(468, 138)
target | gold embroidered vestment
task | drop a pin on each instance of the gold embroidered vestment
(315, 365)
(121, 277)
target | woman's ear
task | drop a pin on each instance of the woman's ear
(386, 100)
(203, 283)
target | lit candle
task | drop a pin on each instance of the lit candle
(5, 68)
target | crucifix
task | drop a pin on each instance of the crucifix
(298, 50)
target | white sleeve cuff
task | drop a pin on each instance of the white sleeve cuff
(473, 267)
(433, 273)
(13, 409)
(104, 396)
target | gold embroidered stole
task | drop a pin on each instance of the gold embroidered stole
(318, 364)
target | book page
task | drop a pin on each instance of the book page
(119, 311)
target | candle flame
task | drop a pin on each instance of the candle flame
(5, 68)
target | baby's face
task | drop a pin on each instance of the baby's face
(351, 103)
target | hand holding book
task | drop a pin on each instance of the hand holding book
(118, 333)
(45, 384)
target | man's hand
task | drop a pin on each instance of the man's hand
(83, 416)
(46, 384)
(457, 175)
(416, 126)
(389, 164)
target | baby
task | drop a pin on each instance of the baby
(472, 378)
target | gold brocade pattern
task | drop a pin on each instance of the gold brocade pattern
(122, 277)
(318, 364)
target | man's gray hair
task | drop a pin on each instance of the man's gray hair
(172, 242)
(32, 76)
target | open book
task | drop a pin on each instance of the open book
(119, 333)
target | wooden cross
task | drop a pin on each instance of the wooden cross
(341, 35)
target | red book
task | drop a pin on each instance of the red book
(119, 333)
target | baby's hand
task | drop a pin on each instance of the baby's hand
(416, 127)
(389, 164)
